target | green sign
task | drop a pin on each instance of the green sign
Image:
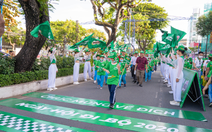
(128, 123)
(121, 106)
(191, 88)
(16, 123)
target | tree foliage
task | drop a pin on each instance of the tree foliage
(10, 11)
(15, 36)
(97, 34)
(145, 30)
(109, 13)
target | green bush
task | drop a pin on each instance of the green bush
(7, 65)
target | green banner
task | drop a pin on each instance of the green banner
(191, 88)
(121, 106)
(96, 43)
(128, 123)
(17, 123)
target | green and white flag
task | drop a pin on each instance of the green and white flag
(149, 52)
(85, 41)
(96, 43)
(44, 29)
(178, 35)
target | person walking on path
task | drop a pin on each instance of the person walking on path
(140, 67)
(87, 65)
(113, 69)
(133, 61)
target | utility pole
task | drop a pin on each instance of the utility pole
(77, 30)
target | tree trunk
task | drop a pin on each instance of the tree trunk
(32, 45)
(112, 36)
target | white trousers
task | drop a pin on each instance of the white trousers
(177, 88)
(87, 69)
(52, 75)
(161, 69)
(169, 75)
(166, 71)
(76, 72)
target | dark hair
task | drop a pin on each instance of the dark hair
(183, 51)
(210, 58)
(200, 52)
(10, 51)
(50, 51)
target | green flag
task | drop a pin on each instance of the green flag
(149, 52)
(165, 34)
(44, 29)
(96, 43)
(179, 34)
(85, 41)
(73, 47)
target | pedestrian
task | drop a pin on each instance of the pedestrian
(107, 61)
(123, 67)
(133, 61)
(87, 65)
(197, 63)
(52, 70)
(140, 67)
(76, 65)
(100, 72)
(113, 70)
(96, 59)
(178, 77)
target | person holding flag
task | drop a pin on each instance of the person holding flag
(178, 76)
(113, 69)
(76, 65)
(100, 72)
(107, 61)
(52, 70)
(133, 61)
(87, 65)
(123, 67)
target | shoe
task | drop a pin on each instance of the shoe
(111, 106)
(134, 81)
(54, 88)
(140, 85)
(175, 103)
(165, 81)
(76, 83)
(168, 85)
(205, 95)
(50, 89)
(210, 105)
(91, 78)
(100, 88)
(94, 82)
(125, 85)
(171, 92)
(137, 83)
(105, 83)
(85, 80)
(119, 86)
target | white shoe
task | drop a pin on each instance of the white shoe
(54, 88)
(85, 80)
(94, 82)
(91, 78)
(49, 89)
(100, 88)
(76, 83)
(165, 81)
(171, 92)
(168, 85)
(175, 103)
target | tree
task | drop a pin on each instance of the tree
(97, 34)
(14, 36)
(110, 17)
(10, 11)
(145, 30)
(204, 27)
(36, 12)
(66, 32)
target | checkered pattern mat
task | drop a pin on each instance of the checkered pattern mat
(28, 126)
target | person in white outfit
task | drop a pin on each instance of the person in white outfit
(178, 77)
(198, 63)
(76, 65)
(52, 70)
(87, 66)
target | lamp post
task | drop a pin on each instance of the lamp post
(1, 4)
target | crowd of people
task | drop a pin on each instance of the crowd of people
(110, 68)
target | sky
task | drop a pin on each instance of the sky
(82, 10)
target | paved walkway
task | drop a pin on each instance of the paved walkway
(153, 93)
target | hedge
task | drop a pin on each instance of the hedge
(24, 77)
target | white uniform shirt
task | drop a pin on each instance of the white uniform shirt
(205, 64)
(197, 62)
(133, 60)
